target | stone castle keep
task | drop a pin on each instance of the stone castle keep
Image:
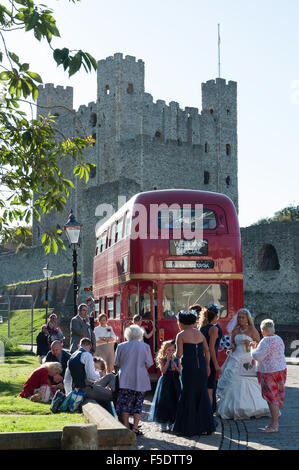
(141, 145)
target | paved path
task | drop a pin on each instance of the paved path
(233, 435)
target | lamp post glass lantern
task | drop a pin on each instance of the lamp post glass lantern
(73, 230)
(47, 273)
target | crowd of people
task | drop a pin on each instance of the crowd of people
(192, 387)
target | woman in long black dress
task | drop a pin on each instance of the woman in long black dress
(213, 334)
(194, 415)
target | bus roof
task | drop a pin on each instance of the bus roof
(175, 196)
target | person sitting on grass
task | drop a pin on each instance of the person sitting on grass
(39, 385)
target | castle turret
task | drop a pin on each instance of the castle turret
(120, 98)
(55, 100)
(58, 101)
(219, 100)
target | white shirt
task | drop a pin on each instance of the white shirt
(270, 355)
(104, 332)
(91, 374)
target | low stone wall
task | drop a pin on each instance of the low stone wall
(44, 440)
(113, 435)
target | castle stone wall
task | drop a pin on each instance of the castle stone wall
(272, 292)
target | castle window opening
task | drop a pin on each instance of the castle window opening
(212, 111)
(130, 88)
(268, 259)
(158, 134)
(93, 120)
(93, 172)
(228, 111)
(207, 147)
(228, 149)
(206, 177)
(107, 90)
(227, 180)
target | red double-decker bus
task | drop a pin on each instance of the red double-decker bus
(147, 262)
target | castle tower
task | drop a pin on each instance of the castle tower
(57, 101)
(219, 99)
(120, 107)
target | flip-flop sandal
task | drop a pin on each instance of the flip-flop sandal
(268, 429)
(132, 425)
(137, 432)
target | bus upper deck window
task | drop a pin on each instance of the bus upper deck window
(127, 224)
(103, 242)
(119, 230)
(209, 219)
(177, 218)
(112, 235)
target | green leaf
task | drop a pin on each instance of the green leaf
(75, 63)
(24, 67)
(14, 57)
(54, 246)
(5, 75)
(32, 22)
(35, 76)
(92, 60)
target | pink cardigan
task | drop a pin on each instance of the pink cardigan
(270, 355)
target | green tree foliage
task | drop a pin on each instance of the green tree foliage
(18, 237)
(31, 150)
(288, 214)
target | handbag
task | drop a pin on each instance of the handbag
(57, 400)
(45, 393)
(72, 401)
(75, 401)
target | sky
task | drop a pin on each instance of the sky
(178, 41)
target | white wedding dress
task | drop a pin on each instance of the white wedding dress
(240, 394)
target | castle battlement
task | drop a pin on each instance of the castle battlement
(55, 98)
(50, 87)
(118, 57)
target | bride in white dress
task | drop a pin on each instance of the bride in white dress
(238, 388)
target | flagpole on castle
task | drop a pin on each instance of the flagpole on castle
(219, 64)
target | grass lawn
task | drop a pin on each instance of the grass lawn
(54, 422)
(20, 414)
(20, 324)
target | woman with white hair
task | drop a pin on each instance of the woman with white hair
(238, 388)
(271, 371)
(133, 358)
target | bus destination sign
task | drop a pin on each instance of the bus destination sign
(195, 247)
(197, 264)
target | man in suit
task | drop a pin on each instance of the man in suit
(81, 328)
(57, 354)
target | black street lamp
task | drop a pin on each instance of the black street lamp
(73, 229)
(47, 273)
